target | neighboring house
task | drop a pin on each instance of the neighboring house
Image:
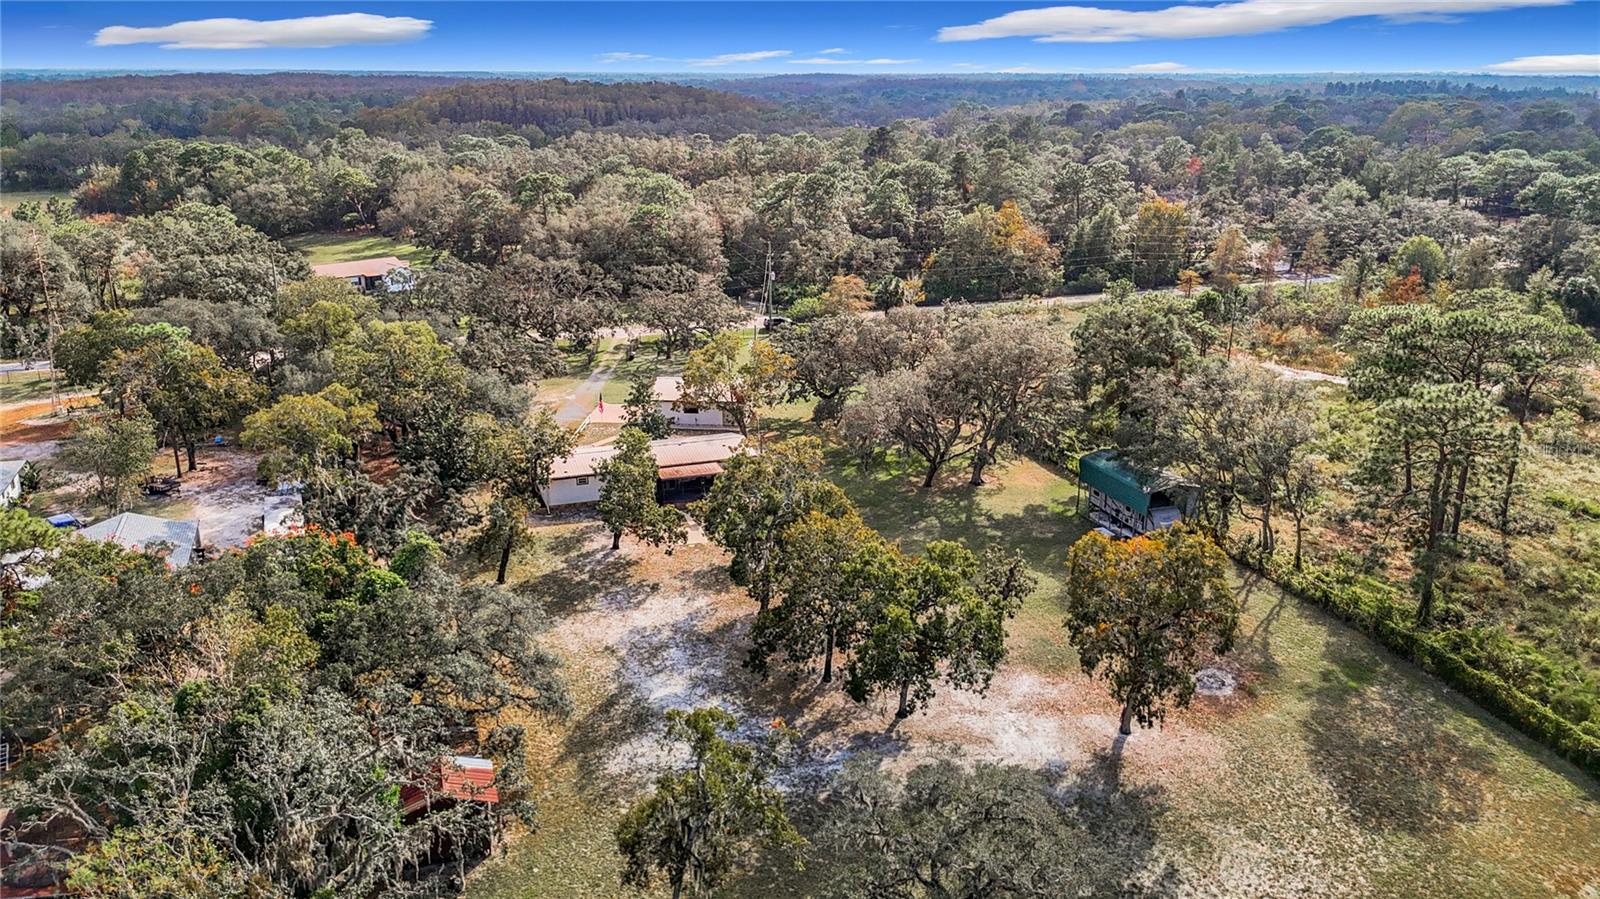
(384, 273)
(682, 414)
(10, 481)
(686, 466)
(177, 540)
(1124, 502)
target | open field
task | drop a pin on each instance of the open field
(345, 246)
(22, 386)
(10, 199)
(1334, 769)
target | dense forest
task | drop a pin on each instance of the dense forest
(984, 270)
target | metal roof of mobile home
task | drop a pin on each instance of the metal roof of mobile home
(671, 452)
(1108, 473)
(138, 532)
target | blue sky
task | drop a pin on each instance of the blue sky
(1079, 36)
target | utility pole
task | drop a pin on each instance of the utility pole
(766, 297)
(1133, 256)
(52, 323)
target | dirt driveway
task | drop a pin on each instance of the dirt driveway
(29, 431)
(669, 632)
(222, 494)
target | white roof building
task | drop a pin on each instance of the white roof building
(684, 415)
(142, 533)
(10, 481)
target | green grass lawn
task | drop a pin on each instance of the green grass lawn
(610, 376)
(647, 363)
(10, 199)
(1335, 770)
(22, 386)
(347, 246)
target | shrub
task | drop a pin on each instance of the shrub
(1576, 506)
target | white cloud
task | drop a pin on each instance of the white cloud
(1158, 67)
(830, 50)
(624, 56)
(831, 61)
(1571, 64)
(252, 34)
(730, 58)
(968, 65)
(1089, 24)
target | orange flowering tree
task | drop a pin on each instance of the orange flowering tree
(1143, 613)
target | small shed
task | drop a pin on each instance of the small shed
(456, 778)
(683, 414)
(382, 273)
(1127, 501)
(10, 481)
(176, 541)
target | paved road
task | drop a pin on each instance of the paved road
(13, 366)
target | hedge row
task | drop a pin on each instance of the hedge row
(1378, 615)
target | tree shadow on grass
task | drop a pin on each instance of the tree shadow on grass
(582, 576)
(887, 492)
(1388, 756)
(674, 667)
(1061, 832)
(1122, 821)
(1254, 647)
(712, 578)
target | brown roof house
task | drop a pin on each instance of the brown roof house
(383, 273)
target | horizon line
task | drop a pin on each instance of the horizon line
(268, 70)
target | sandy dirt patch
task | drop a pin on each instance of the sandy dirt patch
(672, 634)
(29, 430)
(224, 497)
(221, 494)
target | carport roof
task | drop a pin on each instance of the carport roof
(680, 472)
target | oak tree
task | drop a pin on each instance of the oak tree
(1143, 613)
(628, 495)
(701, 823)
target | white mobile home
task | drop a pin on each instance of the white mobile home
(10, 481)
(686, 464)
(683, 414)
